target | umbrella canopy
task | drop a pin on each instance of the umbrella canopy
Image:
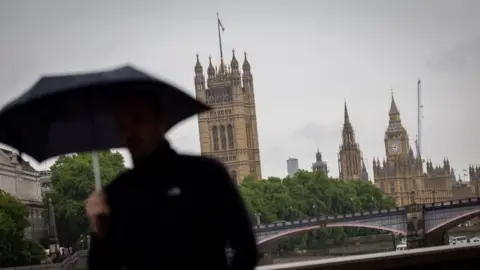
(73, 113)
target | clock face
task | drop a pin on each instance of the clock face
(395, 147)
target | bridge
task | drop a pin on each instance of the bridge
(422, 224)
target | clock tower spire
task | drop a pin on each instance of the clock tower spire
(396, 137)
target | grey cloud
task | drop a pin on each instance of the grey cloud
(306, 58)
(463, 57)
(316, 132)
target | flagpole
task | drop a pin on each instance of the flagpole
(219, 26)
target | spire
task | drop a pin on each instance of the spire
(346, 117)
(234, 62)
(393, 108)
(198, 66)
(246, 64)
(211, 69)
(348, 135)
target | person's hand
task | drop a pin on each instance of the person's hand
(96, 207)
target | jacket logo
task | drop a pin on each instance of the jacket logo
(174, 191)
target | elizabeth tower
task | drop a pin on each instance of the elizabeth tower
(229, 132)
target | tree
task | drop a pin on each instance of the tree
(72, 181)
(15, 250)
(309, 194)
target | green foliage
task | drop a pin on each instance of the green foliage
(15, 250)
(72, 181)
(309, 194)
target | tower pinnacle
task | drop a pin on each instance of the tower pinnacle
(346, 116)
(393, 108)
(198, 66)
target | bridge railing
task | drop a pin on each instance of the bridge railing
(464, 257)
(352, 216)
(320, 219)
(452, 203)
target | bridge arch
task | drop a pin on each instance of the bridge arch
(333, 225)
(449, 224)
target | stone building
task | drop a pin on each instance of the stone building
(461, 190)
(229, 131)
(350, 160)
(319, 165)
(402, 176)
(21, 180)
(474, 173)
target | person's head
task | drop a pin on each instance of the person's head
(139, 122)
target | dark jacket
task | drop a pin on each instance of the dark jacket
(174, 212)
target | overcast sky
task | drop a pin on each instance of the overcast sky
(306, 57)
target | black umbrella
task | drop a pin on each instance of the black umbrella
(72, 113)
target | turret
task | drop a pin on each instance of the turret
(199, 80)
(247, 73)
(235, 69)
(210, 71)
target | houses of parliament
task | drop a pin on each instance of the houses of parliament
(229, 133)
(401, 173)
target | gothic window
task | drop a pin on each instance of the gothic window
(223, 137)
(231, 140)
(248, 129)
(215, 138)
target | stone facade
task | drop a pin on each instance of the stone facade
(229, 131)
(461, 191)
(474, 172)
(350, 159)
(402, 176)
(22, 181)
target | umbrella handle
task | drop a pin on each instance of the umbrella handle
(102, 219)
(96, 171)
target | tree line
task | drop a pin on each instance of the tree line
(306, 194)
(312, 194)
